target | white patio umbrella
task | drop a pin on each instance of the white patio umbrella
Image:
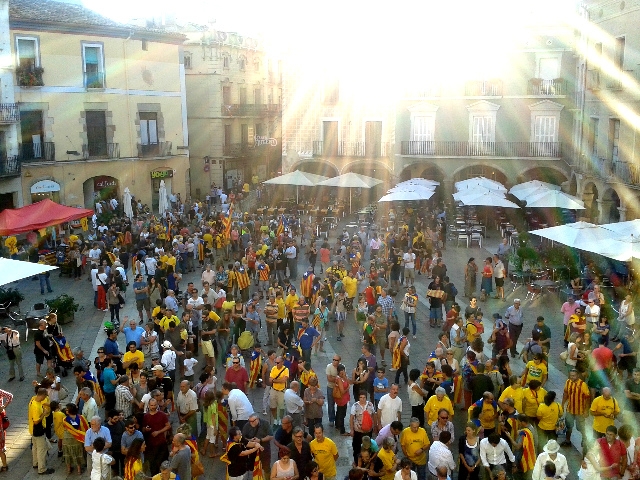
(297, 178)
(582, 235)
(13, 270)
(623, 249)
(419, 181)
(351, 180)
(630, 227)
(533, 184)
(126, 203)
(487, 199)
(475, 190)
(163, 201)
(554, 199)
(412, 188)
(482, 181)
(407, 195)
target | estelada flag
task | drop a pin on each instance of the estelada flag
(306, 284)
(528, 460)
(226, 222)
(256, 368)
(76, 427)
(98, 395)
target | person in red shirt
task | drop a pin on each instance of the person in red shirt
(613, 461)
(370, 296)
(237, 374)
(602, 356)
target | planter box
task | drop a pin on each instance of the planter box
(68, 318)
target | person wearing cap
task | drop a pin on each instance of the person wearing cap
(514, 316)
(168, 359)
(545, 333)
(499, 339)
(550, 454)
(11, 339)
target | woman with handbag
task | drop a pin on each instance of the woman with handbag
(114, 298)
(341, 397)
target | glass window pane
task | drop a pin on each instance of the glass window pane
(91, 55)
(26, 48)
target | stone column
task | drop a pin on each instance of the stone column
(623, 213)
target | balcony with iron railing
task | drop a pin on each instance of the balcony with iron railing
(481, 149)
(483, 88)
(159, 149)
(9, 113)
(10, 166)
(100, 150)
(351, 149)
(539, 86)
(37, 152)
(250, 110)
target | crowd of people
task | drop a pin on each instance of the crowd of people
(179, 390)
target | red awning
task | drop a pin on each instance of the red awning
(38, 215)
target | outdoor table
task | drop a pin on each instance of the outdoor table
(271, 211)
(545, 285)
(260, 211)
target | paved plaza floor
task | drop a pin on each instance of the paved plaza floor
(87, 332)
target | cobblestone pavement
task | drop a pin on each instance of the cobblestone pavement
(87, 332)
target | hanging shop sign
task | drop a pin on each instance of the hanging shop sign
(162, 174)
(45, 186)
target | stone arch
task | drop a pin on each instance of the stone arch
(590, 197)
(375, 168)
(609, 205)
(319, 167)
(547, 173)
(480, 170)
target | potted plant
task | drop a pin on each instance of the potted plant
(64, 306)
(11, 296)
(30, 76)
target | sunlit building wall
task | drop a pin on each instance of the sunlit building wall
(606, 164)
(234, 91)
(102, 105)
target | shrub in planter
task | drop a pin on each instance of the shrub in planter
(11, 295)
(65, 307)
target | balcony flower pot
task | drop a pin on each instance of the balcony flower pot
(65, 307)
(30, 77)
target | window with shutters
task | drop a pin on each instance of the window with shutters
(93, 65)
(149, 144)
(482, 128)
(423, 125)
(545, 121)
(614, 139)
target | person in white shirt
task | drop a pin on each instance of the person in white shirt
(114, 203)
(11, 339)
(294, 404)
(150, 265)
(187, 406)
(592, 312)
(389, 407)
(89, 408)
(550, 454)
(168, 360)
(440, 454)
(94, 254)
(409, 261)
(492, 452)
(239, 405)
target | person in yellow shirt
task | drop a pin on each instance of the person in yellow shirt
(38, 411)
(279, 376)
(324, 452)
(435, 403)
(532, 397)
(388, 457)
(132, 355)
(513, 391)
(350, 287)
(415, 444)
(604, 410)
(282, 308)
(535, 370)
(58, 425)
(487, 409)
(290, 302)
(169, 317)
(548, 414)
